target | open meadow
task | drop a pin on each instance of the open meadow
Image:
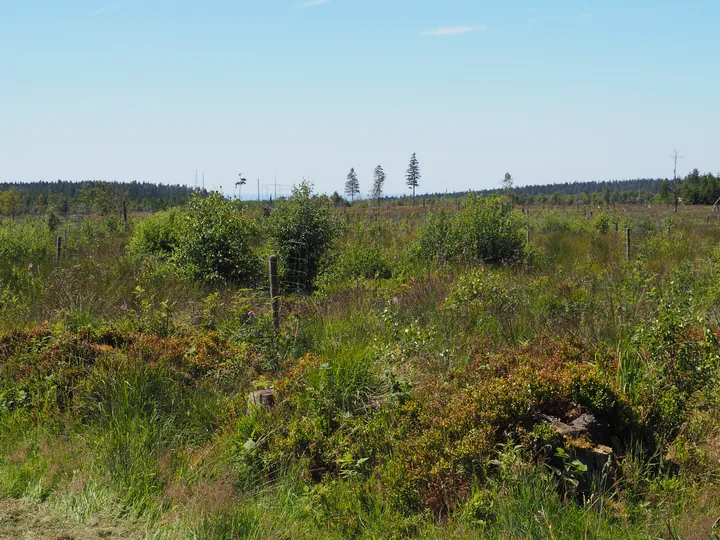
(466, 369)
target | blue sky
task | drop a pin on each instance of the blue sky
(551, 91)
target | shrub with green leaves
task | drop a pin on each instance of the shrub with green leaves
(601, 223)
(485, 231)
(438, 239)
(156, 235)
(361, 257)
(302, 231)
(25, 242)
(215, 242)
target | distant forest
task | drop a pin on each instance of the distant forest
(695, 188)
(89, 196)
(101, 197)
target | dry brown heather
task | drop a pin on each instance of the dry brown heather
(432, 375)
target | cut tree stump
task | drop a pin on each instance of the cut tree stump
(261, 399)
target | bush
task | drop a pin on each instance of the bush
(25, 242)
(361, 257)
(553, 222)
(156, 235)
(602, 223)
(485, 231)
(438, 238)
(215, 242)
(302, 232)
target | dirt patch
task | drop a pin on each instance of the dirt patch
(27, 521)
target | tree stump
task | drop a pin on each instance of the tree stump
(261, 399)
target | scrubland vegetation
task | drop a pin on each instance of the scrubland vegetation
(434, 374)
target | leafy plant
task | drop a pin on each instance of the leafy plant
(485, 231)
(215, 242)
(302, 232)
(156, 235)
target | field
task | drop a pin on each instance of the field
(469, 370)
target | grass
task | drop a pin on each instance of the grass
(410, 396)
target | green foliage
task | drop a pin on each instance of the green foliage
(601, 223)
(412, 177)
(10, 202)
(682, 360)
(302, 232)
(25, 243)
(438, 239)
(215, 242)
(378, 183)
(156, 235)
(485, 231)
(51, 219)
(553, 222)
(362, 257)
(352, 185)
(408, 407)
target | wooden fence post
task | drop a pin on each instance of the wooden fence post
(274, 290)
(627, 244)
(58, 249)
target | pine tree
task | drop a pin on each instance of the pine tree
(352, 185)
(664, 193)
(508, 183)
(378, 182)
(413, 175)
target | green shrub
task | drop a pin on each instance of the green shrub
(553, 222)
(25, 242)
(215, 242)
(485, 231)
(681, 360)
(601, 223)
(302, 231)
(51, 219)
(156, 235)
(360, 257)
(438, 239)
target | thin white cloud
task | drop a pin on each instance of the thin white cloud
(313, 3)
(455, 30)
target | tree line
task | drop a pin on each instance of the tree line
(695, 188)
(89, 196)
(93, 196)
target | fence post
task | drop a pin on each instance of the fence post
(274, 286)
(627, 244)
(58, 248)
(65, 235)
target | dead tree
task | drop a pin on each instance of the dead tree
(675, 157)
